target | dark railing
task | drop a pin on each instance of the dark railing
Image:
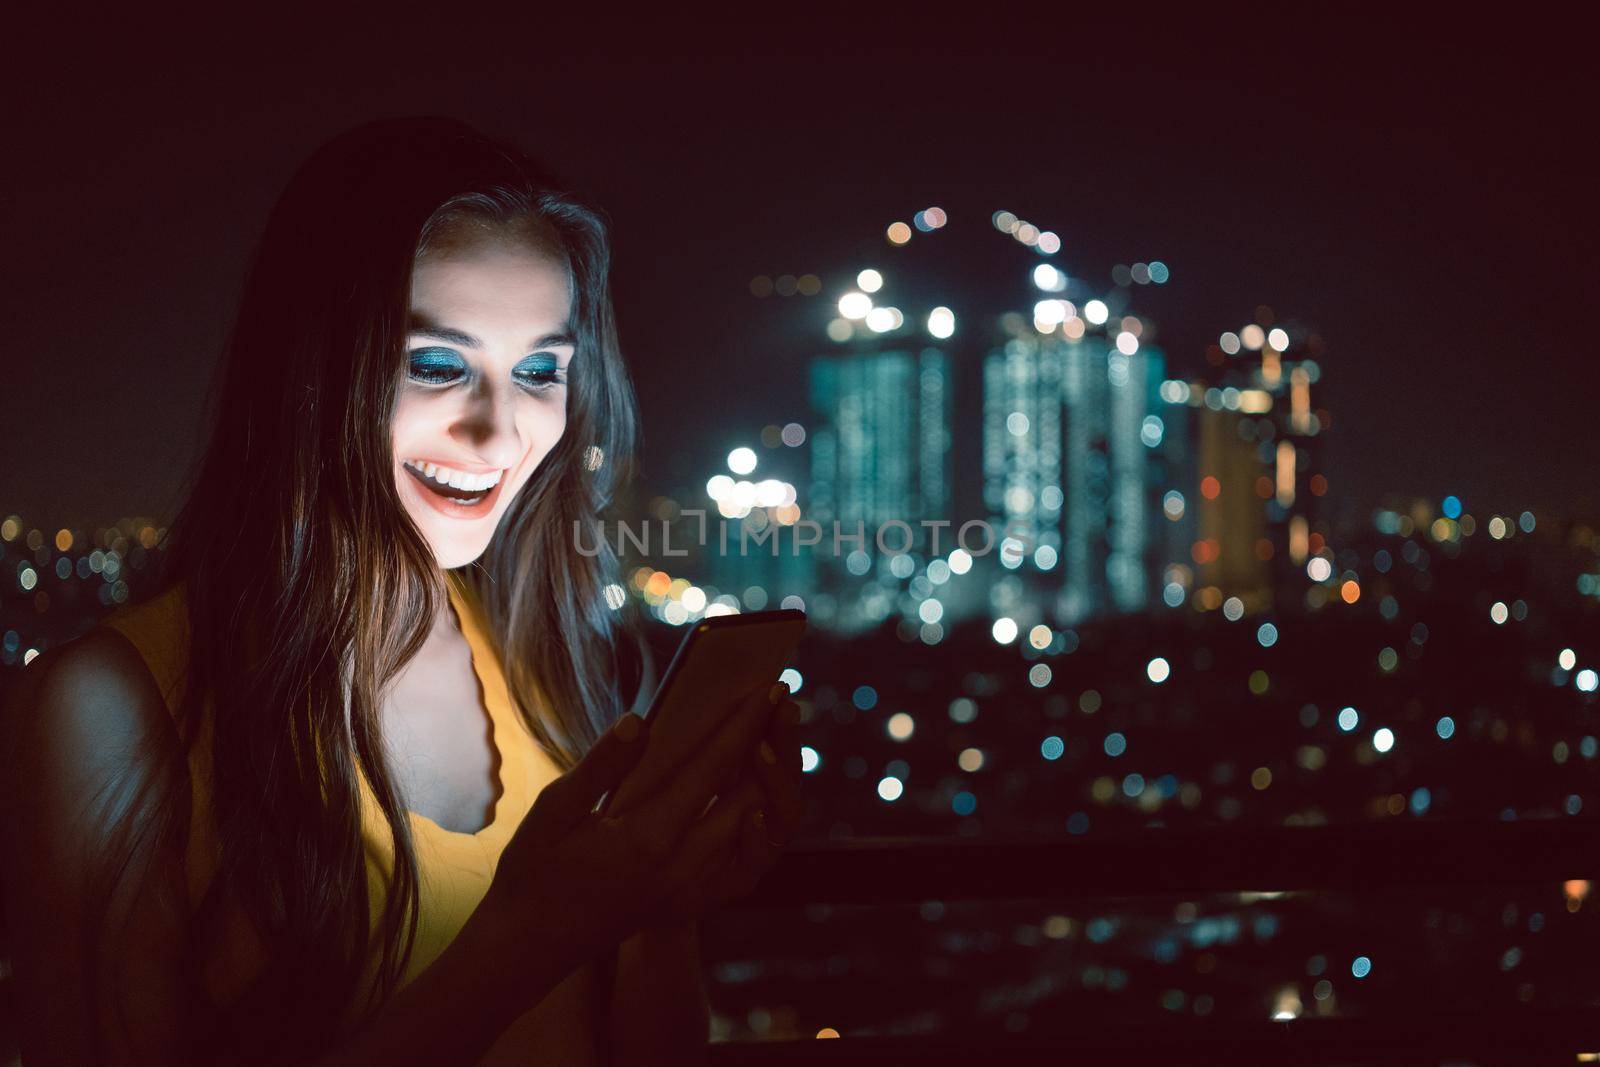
(1366, 859)
(1159, 863)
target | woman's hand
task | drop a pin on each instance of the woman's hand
(735, 843)
(575, 881)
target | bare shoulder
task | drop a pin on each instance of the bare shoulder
(84, 733)
(101, 666)
(82, 711)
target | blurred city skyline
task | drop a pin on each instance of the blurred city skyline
(1384, 208)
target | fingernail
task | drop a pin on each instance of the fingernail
(760, 818)
(777, 692)
(627, 727)
(768, 756)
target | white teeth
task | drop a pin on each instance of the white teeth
(471, 483)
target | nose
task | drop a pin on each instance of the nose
(488, 426)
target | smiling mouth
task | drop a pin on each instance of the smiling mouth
(476, 491)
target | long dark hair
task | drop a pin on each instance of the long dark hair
(308, 586)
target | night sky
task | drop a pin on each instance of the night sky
(1416, 196)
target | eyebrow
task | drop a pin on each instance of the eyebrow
(422, 326)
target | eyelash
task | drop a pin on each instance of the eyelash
(446, 367)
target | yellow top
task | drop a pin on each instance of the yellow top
(455, 868)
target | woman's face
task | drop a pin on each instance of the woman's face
(485, 395)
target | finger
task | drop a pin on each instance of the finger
(734, 784)
(749, 722)
(562, 803)
(710, 850)
(671, 809)
(718, 831)
(757, 768)
(777, 695)
(777, 766)
(712, 843)
(756, 855)
(755, 843)
(772, 738)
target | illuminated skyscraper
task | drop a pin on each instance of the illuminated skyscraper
(1260, 488)
(880, 447)
(1023, 467)
(1231, 514)
(1073, 437)
(1177, 461)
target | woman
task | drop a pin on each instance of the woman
(330, 794)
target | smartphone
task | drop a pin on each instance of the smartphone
(718, 663)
